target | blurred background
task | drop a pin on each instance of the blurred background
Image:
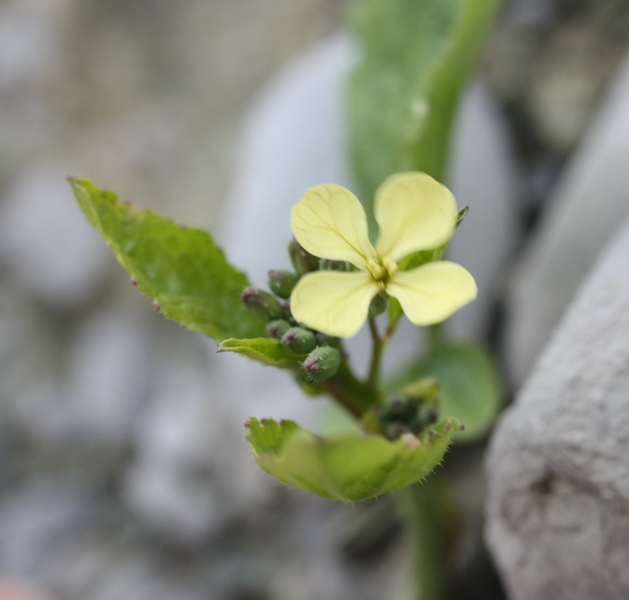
(123, 470)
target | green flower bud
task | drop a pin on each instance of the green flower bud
(406, 415)
(427, 415)
(302, 260)
(299, 340)
(322, 363)
(333, 265)
(378, 305)
(287, 315)
(461, 215)
(276, 329)
(282, 282)
(263, 305)
(323, 339)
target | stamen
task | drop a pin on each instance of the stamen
(381, 269)
(390, 266)
(376, 269)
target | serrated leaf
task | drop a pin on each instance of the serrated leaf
(268, 436)
(348, 466)
(264, 350)
(417, 56)
(180, 268)
(470, 386)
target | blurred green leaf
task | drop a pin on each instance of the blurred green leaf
(347, 466)
(264, 350)
(417, 56)
(268, 436)
(179, 267)
(470, 386)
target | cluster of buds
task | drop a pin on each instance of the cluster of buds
(405, 415)
(323, 353)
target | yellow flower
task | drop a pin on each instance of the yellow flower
(414, 212)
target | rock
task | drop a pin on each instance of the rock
(32, 36)
(47, 242)
(107, 380)
(293, 138)
(107, 563)
(550, 61)
(170, 484)
(589, 204)
(13, 590)
(482, 176)
(558, 464)
(34, 520)
(192, 471)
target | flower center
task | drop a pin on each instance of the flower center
(381, 269)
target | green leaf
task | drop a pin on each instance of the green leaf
(347, 466)
(268, 436)
(470, 386)
(417, 56)
(265, 350)
(179, 267)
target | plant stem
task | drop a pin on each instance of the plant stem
(423, 508)
(436, 336)
(376, 355)
(355, 395)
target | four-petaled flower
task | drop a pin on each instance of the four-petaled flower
(414, 212)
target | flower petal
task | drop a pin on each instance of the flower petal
(431, 293)
(414, 212)
(330, 222)
(333, 302)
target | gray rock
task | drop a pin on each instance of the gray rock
(34, 520)
(192, 471)
(170, 483)
(559, 460)
(551, 61)
(590, 203)
(98, 400)
(46, 240)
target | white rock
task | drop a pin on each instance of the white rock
(590, 203)
(482, 176)
(559, 460)
(46, 240)
(293, 138)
